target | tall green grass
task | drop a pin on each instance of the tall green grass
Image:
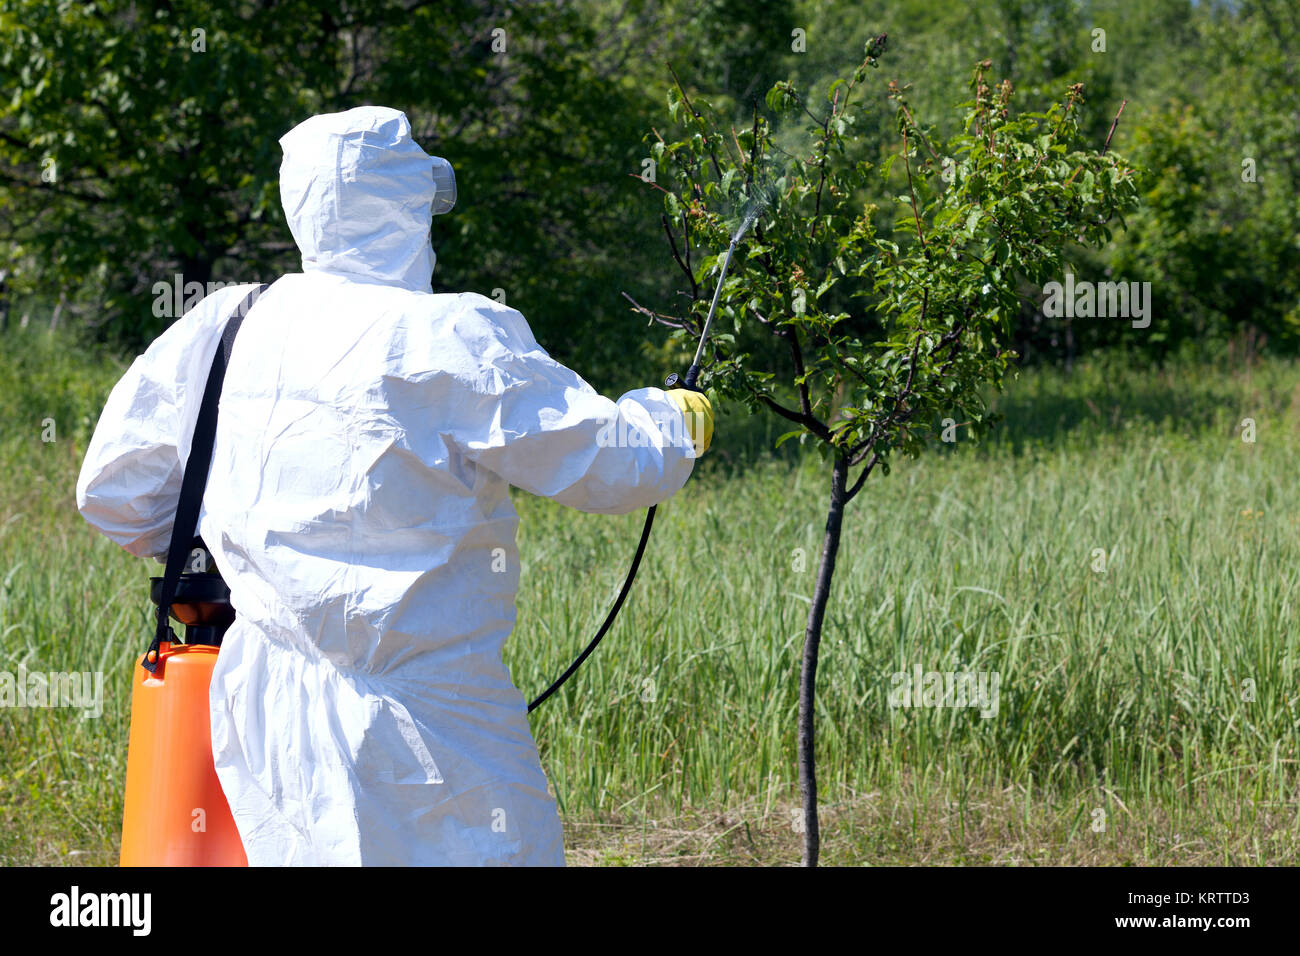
(1119, 689)
(69, 601)
(1162, 693)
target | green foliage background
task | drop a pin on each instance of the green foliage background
(167, 157)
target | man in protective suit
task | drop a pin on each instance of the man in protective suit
(358, 508)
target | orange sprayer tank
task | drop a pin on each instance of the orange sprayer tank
(176, 813)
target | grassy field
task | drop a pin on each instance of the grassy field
(1146, 713)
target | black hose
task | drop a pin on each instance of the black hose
(609, 619)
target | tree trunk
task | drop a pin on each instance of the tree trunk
(808, 676)
(58, 311)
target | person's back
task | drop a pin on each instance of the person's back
(341, 509)
(358, 507)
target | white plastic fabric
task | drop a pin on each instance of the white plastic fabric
(358, 508)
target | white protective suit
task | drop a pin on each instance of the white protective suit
(358, 508)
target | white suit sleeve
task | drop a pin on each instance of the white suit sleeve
(539, 426)
(131, 477)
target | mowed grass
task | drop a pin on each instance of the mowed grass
(1146, 713)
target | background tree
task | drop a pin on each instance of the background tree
(133, 148)
(139, 139)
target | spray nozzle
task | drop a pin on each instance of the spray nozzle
(761, 195)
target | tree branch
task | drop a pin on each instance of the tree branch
(687, 100)
(799, 418)
(657, 316)
(911, 194)
(821, 181)
(857, 485)
(672, 242)
(796, 355)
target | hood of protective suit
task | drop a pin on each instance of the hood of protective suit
(358, 193)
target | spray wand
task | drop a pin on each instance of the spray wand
(672, 381)
(693, 373)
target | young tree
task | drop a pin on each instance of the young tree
(865, 335)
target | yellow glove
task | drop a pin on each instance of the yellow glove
(699, 416)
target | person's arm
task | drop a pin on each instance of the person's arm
(131, 477)
(537, 424)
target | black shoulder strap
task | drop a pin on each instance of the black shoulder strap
(195, 479)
